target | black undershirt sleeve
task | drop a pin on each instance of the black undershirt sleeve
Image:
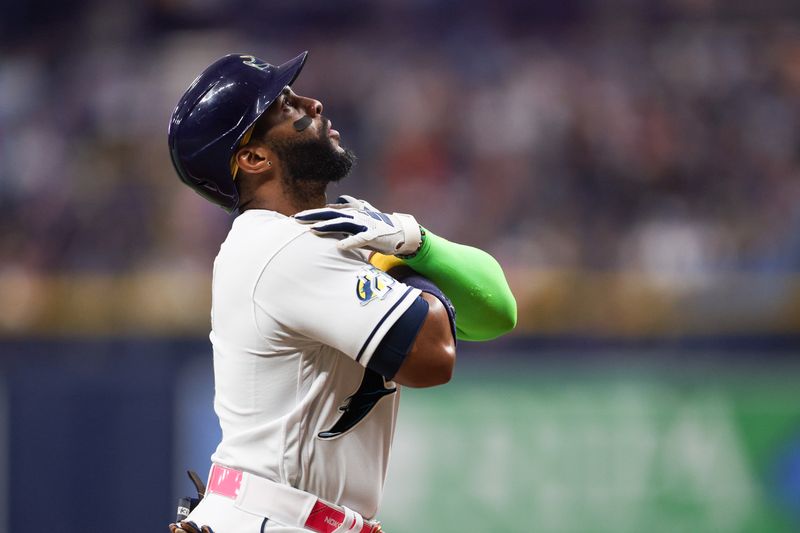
(395, 345)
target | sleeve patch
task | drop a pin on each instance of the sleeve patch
(373, 284)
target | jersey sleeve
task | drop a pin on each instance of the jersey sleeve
(310, 290)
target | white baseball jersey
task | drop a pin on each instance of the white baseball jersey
(294, 323)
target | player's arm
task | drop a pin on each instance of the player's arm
(417, 355)
(471, 278)
(399, 325)
(432, 357)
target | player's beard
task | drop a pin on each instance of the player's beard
(311, 164)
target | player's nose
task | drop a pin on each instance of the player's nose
(312, 107)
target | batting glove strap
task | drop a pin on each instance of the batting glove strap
(412, 235)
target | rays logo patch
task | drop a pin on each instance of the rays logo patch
(373, 284)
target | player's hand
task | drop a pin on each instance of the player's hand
(364, 227)
(189, 527)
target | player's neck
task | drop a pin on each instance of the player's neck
(300, 194)
(276, 196)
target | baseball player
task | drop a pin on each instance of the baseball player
(320, 313)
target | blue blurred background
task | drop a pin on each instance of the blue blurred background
(634, 166)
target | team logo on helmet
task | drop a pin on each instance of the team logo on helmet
(373, 284)
(252, 61)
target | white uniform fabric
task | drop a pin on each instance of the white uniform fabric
(219, 513)
(291, 314)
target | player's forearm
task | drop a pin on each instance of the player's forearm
(475, 284)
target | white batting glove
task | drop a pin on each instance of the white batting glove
(363, 226)
(346, 200)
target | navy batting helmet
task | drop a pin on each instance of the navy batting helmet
(214, 115)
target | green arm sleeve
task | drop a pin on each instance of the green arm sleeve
(473, 281)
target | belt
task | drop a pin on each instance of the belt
(285, 504)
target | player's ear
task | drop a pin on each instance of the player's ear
(255, 158)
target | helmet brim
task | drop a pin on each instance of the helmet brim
(293, 67)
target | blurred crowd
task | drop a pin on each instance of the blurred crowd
(570, 138)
